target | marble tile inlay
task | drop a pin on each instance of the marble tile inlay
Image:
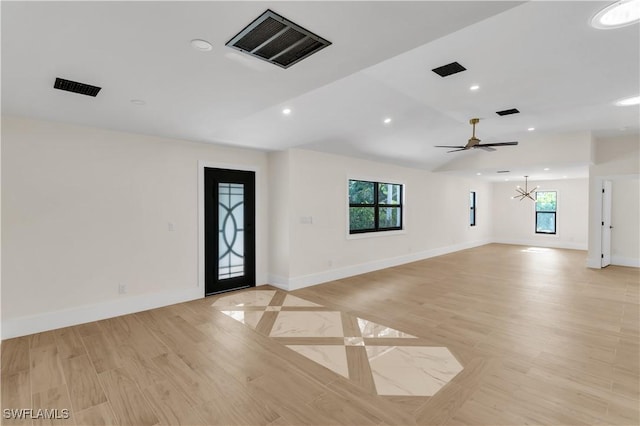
(246, 298)
(395, 370)
(411, 370)
(354, 341)
(307, 324)
(331, 356)
(372, 329)
(297, 301)
(250, 318)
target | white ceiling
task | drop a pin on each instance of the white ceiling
(540, 57)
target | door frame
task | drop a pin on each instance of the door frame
(605, 229)
(203, 164)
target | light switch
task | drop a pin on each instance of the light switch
(306, 220)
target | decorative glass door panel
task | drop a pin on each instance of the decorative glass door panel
(229, 230)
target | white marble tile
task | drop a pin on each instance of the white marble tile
(297, 301)
(245, 298)
(333, 357)
(250, 318)
(372, 329)
(273, 308)
(354, 341)
(307, 324)
(411, 370)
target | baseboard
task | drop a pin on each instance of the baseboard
(279, 282)
(22, 326)
(340, 273)
(537, 243)
(625, 261)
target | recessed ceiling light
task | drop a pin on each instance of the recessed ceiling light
(506, 180)
(546, 169)
(201, 45)
(634, 100)
(531, 129)
(138, 102)
(564, 177)
(616, 15)
(386, 120)
(478, 174)
(474, 87)
(286, 111)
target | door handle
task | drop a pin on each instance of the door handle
(610, 226)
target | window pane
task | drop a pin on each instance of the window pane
(389, 193)
(546, 201)
(389, 217)
(361, 192)
(472, 217)
(472, 199)
(361, 218)
(546, 222)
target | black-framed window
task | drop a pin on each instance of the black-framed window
(374, 206)
(546, 212)
(472, 208)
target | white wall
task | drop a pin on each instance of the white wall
(279, 215)
(86, 209)
(616, 159)
(436, 218)
(514, 220)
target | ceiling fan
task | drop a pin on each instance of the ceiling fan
(475, 142)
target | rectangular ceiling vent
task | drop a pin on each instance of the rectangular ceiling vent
(503, 171)
(508, 112)
(447, 70)
(75, 87)
(277, 40)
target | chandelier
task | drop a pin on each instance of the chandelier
(525, 193)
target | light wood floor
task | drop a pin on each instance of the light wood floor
(543, 340)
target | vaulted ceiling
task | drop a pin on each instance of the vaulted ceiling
(540, 57)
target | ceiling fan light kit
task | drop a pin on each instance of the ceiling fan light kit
(525, 193)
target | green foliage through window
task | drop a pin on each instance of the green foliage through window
(546, 212)
(374, 206)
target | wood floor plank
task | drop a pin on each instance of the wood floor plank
(127, 401)
(15, 355)
(170, 406)
(69, 342)
(99, 415)
(359, 370)
(82, 381)
(16, 395)
(46, 368)
(55, 402)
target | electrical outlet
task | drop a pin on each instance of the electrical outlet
(122, 288)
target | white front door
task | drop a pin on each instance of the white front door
(606, 223)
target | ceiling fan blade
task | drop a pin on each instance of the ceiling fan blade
(455, 150)
(499, 144)
(449, 146)
(485, 148)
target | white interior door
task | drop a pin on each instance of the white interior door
(606, 223)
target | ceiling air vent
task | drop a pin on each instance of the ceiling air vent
(508, 112)
(275, 39)
(447, 70)
(75, 87)
(502, 171)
